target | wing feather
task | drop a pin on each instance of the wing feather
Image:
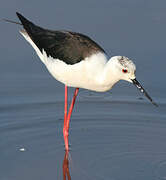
(70, 47)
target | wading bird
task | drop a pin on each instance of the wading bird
(77, 61)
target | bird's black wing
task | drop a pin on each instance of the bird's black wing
(68, 46)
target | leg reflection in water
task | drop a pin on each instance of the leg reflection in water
(66, 172)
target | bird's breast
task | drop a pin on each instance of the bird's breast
(86, 74)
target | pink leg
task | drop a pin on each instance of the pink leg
(67, 117)
(71, 107)
(65, 112)
(65, 134)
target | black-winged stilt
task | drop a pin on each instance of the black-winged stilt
(77, 61)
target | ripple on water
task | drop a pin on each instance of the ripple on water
(120, 147)
(110, 138)
(161, 170)
(130, 165)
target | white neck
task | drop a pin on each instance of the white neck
(109, 77)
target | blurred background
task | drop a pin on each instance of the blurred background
(135, 29)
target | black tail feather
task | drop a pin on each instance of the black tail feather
(30, 27)
(23, 20)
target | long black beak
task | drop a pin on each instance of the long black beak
(138, 85)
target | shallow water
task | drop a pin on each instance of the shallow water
(117, 135)
(111, 136)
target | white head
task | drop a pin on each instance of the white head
(125, 69)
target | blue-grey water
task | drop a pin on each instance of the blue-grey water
(117, 135)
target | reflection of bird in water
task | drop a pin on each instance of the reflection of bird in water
(66, 172)
(77, 61)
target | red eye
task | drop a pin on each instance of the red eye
(124, 70)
